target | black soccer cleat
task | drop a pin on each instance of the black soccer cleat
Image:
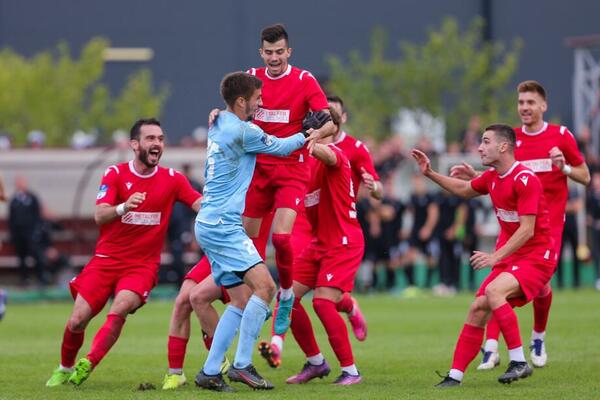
(250, 377)
(447, 382)
(215, 383)
(516, 370)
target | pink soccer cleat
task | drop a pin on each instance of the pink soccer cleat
(358, 322)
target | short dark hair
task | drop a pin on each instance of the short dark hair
(274, 33)
(238, 84)
(336, 99)
(504, 132)
(134, 132)
(532, 86)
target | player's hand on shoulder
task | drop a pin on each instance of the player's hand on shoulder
(212, 116)
(557, 156)
(464, 171)
(135, 200)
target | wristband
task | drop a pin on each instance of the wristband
(566, 169)
(120, 209)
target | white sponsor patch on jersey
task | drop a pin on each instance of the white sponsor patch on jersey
(281, 116)
(312, 199)
(507, 215)
(141, 218)
(539, 165)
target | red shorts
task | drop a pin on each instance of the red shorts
(335, 267)
(201, 271)
(275, 186)
(532, 273)
(103, 277)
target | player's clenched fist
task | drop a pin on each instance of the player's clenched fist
(557, 156)
(134, 200)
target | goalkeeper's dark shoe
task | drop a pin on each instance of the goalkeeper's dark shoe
(516, 370)
(215, 383)
(250, 377)
(447, 382)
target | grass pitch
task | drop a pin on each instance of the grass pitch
(408, 340)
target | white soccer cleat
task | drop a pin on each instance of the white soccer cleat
(538, 353)
(491, 359)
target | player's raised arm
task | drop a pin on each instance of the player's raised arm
(257, 141)
(464, 171)
(323, 153)
(456, 186)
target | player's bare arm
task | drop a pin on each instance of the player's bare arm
(464, 171)
(324, 154)
(196, 204)
(375, 188)
(525, 232)
(580, 173)
(107, 213)
(453, 185)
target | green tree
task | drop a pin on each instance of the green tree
(453, 75)
(57, 94)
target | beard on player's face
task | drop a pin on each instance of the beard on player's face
(150, 157)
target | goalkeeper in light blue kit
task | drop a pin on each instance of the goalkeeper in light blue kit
(231, 156)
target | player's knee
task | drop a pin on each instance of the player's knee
(267, 290)
(183, 304)
(77, 322)
(197, 299)
(282, 241)
(494, 294)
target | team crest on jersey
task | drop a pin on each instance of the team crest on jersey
(128, 184)
(101, 192)
(266, 139)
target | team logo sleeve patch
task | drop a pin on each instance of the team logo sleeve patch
(102, 192)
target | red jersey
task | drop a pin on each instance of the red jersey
(285, 101)
(533, 151)
(515, 193)
(138, 236)
(330, 203)
(359, 157)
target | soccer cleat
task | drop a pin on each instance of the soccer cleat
(250, 377)
(215, 383)
(225, 365)
(283, 316)
(358, 322)
(82, 371)
(173, 381)
(270, 352)
(60, 376)
(347, 379)
(447, 382)
(516, 370)
(538, 353)
(310, 371)
(491, 359)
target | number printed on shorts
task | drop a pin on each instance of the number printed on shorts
(249, 246)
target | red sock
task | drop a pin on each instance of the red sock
(336, 330)
(275, 310)
(541, 310)
(345, 304)
(303, 331)
(207, 340)
(492, 329)
(176, 351)
(71, 344)
(509, 325)
(467, 346)
(284, 258)
(105, 338)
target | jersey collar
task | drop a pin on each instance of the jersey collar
(133, 171)
(510, 170)
(341, 138)
(544, 127)
(274, 78)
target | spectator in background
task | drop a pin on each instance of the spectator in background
(472, 232)
(448, 230)
(179, 234)
(471, 136)
(26, 230)
(593, 211)
(36, 139)
(570, 236)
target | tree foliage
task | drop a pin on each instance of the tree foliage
(58, 95)
(453, 75)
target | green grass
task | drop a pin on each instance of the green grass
(408, 340)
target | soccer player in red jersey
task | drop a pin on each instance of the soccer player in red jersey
(279, 183)
(551, 152)
(329, 263)
(133, 206)
(363, 171)
(524, 258)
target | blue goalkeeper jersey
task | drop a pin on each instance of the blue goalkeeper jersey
(230, 160)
